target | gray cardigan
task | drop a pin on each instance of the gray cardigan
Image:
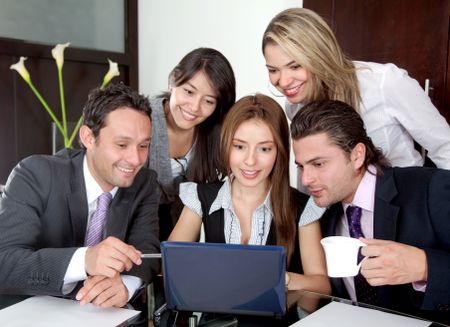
(159, 158)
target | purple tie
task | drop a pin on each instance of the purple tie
(364, 292)
(97, 222)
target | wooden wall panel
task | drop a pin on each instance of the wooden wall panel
(413, 34)
(8, 154)
(25, 126)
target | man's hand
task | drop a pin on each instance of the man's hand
(111, 257)
(103, 292)
(392, 263)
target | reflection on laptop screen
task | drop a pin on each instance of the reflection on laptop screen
(224, 278)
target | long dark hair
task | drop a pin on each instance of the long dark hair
(203, 167)
(267, 110)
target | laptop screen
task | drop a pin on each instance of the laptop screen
(224, 278)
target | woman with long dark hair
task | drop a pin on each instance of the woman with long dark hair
(186, 125)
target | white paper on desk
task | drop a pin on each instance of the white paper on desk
(338, 314)
(51, 311)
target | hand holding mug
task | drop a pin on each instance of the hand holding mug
(393, 263)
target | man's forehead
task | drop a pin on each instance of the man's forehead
(318, 138)
(125, 118)
(314, 147)
(122, 114)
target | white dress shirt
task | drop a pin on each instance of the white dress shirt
(76, 270)
(396, 112)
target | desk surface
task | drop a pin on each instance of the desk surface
(300, 305)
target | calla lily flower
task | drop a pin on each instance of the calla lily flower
(58, 54)
(112, 72)
(21, 69)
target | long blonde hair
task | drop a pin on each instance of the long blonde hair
(308, 39)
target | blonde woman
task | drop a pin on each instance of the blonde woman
(305, 63)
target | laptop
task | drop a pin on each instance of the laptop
(224, 278)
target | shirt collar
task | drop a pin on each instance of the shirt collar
(365, 193)
(93, 190)
(223, 199)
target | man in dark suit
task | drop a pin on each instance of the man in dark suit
(49, 206)
(403, 214)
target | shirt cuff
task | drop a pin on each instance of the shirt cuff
(75, 271)
(420, 286)
(132, 283)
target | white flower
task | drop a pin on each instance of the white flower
(112, 72)
(58, 54)
(21, 69)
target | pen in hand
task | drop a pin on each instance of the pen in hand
(150, 255)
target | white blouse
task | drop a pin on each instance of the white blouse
(396, 111)
(261, 218)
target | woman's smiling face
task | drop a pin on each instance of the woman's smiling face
(253, 154)
(193, 102)
(285, 73)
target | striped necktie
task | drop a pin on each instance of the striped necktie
(97, 222)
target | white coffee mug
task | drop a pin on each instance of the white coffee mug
(341, 254)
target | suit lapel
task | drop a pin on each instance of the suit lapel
(118, 213)
(385, 213)
(330, 219)
(385, 218)
(117, 219)
(77, 200)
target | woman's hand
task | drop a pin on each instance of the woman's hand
(288, 280)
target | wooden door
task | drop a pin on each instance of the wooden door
(413, 34)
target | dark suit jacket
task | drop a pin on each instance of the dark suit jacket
(43, 217)
(412, 206)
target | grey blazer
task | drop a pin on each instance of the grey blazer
(43, 217)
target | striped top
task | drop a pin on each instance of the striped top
(261, 218)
